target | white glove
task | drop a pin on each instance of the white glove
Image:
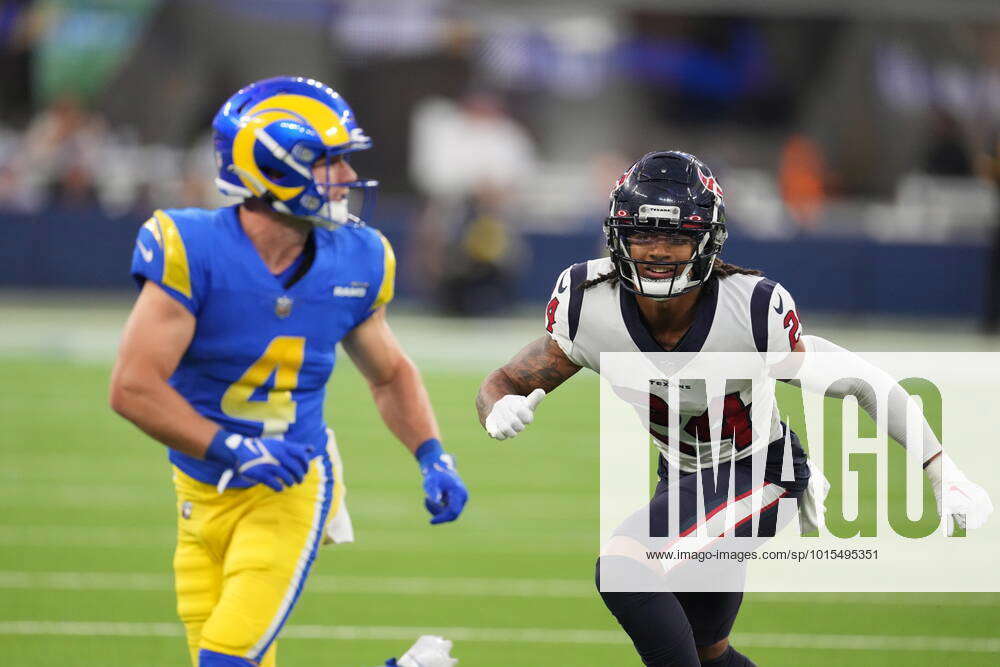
(512, 413)
(428, 651)
(963, 503)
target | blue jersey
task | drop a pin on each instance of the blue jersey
(261, 354)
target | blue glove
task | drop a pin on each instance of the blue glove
(446, 493)
(277, 463)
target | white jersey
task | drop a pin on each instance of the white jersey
(738, 313)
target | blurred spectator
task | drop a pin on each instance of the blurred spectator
(20, 27)
(601, 176)
(14, 196)
(62, 145)
(472, 164)
(479, 276)
(75, 188)
(198, 174)
(457, 148)
(77, 163)
(802, 175)
(946, 154)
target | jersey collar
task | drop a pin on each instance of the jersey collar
(255, 263)
(692, 340)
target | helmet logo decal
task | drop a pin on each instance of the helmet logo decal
(710, 183)
(326, 122)
(621, 179)
(243, 158)
(313, 113)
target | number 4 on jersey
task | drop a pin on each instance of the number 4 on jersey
(282, 358)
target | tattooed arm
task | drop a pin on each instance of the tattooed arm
(541, 364)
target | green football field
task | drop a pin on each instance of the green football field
(88, 523)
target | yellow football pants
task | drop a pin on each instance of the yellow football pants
(243, 557)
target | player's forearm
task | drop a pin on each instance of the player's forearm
(541, 364)
(848, 374)
(496, 385)
(405, 406)
(156, 408)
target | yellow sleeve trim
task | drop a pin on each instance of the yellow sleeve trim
(176, 273)
(154, 228)
(386, 291)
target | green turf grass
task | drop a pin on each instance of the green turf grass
(84, 491)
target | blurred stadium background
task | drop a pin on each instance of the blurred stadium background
(858, 146)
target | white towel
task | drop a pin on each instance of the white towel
(339, 528)
(812, 504)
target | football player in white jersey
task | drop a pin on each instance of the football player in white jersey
(665, 289)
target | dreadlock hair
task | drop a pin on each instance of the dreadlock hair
(603, 278)
(720, 269)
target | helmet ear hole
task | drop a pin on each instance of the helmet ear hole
(271, 173)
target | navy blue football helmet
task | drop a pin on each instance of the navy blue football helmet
(672, 193)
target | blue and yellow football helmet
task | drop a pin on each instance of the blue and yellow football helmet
(269, 135)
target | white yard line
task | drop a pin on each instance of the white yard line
(517, 635)
(154, 537)
(963, 599)
(159, 536)
(72, 333)
(317, 583)
(461, 587)
(920, 644)
(62, 329)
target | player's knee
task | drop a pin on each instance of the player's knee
(197, 593)
(728, 657)
(235, 635)
(653, 619)
(623, 573)
(194, 623)
(194, 611)
(713, 651)
(631, 587)
(208, 658)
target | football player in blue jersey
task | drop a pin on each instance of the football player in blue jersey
(228, 349)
